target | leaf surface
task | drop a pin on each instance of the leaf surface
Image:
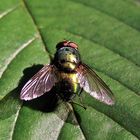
(108, 36)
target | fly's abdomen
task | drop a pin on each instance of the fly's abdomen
(68, 85)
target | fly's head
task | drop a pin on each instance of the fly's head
(67, 56)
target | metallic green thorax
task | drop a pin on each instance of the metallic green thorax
(66, 60)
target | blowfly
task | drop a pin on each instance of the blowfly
(70, 75)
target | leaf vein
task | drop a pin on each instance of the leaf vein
(12, 56)
(115, 120)
(8, 11)
(106, 13)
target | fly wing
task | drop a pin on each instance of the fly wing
(94, 85)
(41, 82)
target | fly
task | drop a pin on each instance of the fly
(69, 75)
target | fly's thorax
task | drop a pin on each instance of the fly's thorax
(67, 58)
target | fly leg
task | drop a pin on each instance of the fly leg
(80, 104)
(73, 102)
(80, 99)
(79, 93)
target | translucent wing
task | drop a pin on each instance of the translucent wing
(41, 82)
(94, 85)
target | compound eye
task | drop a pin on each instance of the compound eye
(73, 45)
(62, 44)
(66, 43)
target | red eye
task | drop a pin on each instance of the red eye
(66, 43)
(73, 45)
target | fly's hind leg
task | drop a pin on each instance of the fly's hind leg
(80, 99)
(80, 104)
(79, 93)
(73, 102)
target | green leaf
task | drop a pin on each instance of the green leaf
(108, 36)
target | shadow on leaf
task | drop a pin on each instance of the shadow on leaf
(11, 102)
